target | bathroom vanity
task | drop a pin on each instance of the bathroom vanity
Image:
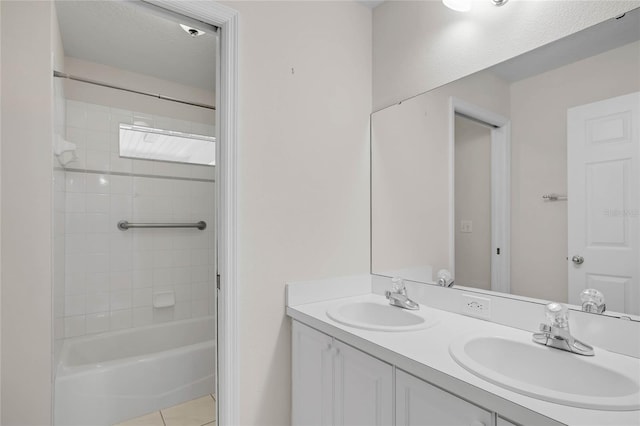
(365, 372)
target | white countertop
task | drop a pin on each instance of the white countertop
(425, 354)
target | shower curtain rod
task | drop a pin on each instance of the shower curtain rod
(111, 86)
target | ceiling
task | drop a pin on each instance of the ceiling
(581, 45)
(138, 37)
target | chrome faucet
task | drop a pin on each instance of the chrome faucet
(557, 335)
(444, 278)
(592, 301)
(398, 296)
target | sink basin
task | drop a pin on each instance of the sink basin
(606, 381)
(380, 316)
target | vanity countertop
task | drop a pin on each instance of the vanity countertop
(425, 354)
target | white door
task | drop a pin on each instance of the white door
(603, 149)
(420, 404)
(363, 388)
(312, 377)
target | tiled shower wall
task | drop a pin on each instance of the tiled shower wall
(111, 276)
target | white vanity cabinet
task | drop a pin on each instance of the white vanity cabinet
(420, 404)
(335, 384)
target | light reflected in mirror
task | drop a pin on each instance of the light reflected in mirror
(523, 178)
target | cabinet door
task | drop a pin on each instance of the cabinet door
(312, 377)
(504, 422)
(420, 404)
(363, 388)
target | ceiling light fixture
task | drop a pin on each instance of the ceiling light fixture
(193, 32)
(465, 5)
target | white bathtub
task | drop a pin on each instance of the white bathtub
(107, 378)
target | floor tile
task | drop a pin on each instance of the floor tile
(193, 413)
(153, 419)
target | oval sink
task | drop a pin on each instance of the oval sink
(606, 381)
(371, 315)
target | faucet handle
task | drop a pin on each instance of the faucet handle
(397, 284)
(557, 314)
(592, 301)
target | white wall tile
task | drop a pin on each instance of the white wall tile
(97, 183)
(182, 293)
(110, 275)
(75, 203)
(142, 316)
(74, 305)
(120, 319)
(97, 262)
(121, 261)
(76, 114)
(162, 315)
(97, 242)
(120, 299)
(120, 242)
(119, 164)
(120, 280)
(75, 243)
(97, 160)
(97, 323)
(97, 118)
(97, 302)
(199, 308)
(142, 297)
(200, 257)
(74, 326)
(97, 222)
(199, 291)
(75, 223)
(75, 182)
(181, 275)
(161, 277)
(142, 278)
(182, 310)
(97, 141)
(121, 184)
(97, 282)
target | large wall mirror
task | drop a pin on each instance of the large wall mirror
(523, 178)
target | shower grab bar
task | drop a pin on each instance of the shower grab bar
(554, 197)
(123, 225)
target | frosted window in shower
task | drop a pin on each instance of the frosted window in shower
(148, 143)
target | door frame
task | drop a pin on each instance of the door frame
(226, 19)
(500, 189)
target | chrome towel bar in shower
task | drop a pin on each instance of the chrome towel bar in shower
(123, 225)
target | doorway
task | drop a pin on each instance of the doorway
(130, 283)
(479, 151)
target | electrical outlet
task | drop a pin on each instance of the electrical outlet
(476, 306)
(466, 226)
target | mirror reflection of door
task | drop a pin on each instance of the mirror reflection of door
(472, 189)
(604, 193)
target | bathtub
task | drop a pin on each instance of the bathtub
(107, 378)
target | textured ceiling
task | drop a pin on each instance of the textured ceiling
(128, 35)
(597, 39)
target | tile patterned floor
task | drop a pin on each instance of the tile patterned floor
(198, 412)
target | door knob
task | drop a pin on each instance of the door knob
(578, 260)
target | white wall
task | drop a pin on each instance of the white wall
(419, 45)
(303, 175)
(27, 117)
